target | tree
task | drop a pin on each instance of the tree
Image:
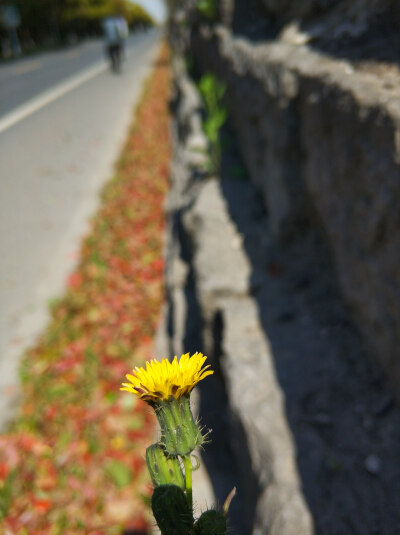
(44, 21)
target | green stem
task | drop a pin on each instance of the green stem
(187, 463)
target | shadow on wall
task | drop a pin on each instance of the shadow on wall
(360, 30)
(345, 427)
(220, 454)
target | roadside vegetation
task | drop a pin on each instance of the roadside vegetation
(216, 113)
(73, 461)
(49, 23)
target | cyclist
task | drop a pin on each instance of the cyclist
(115, 32)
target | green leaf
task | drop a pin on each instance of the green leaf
(6, 495)
(208, 8)
(111, 396)
(135, 423)
(128, 401)
(119, 473)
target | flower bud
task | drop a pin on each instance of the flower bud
(171, 510)
(164, 470)
(180, 435)
(211, 523)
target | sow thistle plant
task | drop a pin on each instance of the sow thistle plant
(166, 387)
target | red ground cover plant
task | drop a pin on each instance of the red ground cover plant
(73, 462)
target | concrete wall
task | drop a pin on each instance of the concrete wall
(317, 134)
(302, 422)
(288, 280)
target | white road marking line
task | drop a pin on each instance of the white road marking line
(35, 104)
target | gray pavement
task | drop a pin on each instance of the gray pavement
(25, 78)
(54, 159)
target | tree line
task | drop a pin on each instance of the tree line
(52, 22)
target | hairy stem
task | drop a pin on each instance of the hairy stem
(187, 463)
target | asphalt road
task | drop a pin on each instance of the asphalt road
(28, 77)
(63, 119)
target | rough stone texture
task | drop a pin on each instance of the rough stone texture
(348, 9)
(293, 8)
(338, 17)
(302, 423)
(280, 506)
(202, 290)
(320, 139)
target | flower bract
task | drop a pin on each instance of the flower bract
(161, 381)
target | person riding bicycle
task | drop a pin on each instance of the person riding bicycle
(115, 33)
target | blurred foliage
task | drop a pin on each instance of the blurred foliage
(208, 8)
(98, 9)
(212, 91)
(54, 21)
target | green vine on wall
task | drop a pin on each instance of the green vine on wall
(212, 92)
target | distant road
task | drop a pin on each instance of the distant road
(26, 78)
(64, 117)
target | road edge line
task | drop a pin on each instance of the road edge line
(49, 96)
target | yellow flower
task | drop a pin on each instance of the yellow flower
(161, 381)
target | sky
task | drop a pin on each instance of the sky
(154, 7)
